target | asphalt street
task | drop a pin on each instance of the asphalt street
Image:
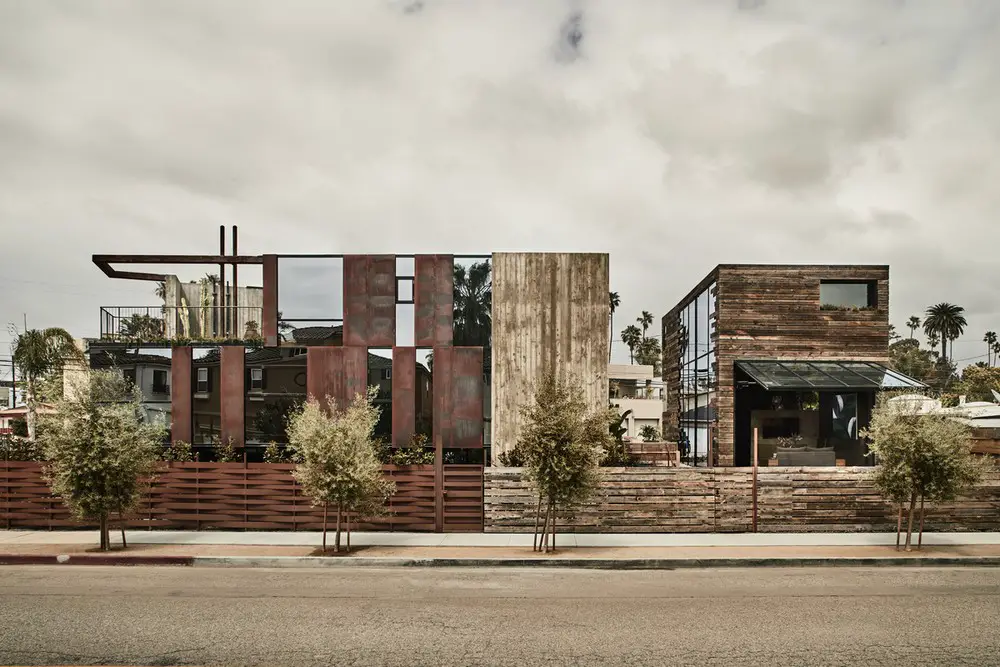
(764, 616)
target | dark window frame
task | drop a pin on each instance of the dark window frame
(160, 387)
(203, 386)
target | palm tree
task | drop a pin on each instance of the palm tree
(913, 324)
(614, 301)
(644, 321)
(893, 336)
(947, 321)
(160, 290)
(990, 339)
(37, 353)
(631, 336)
(473, 308)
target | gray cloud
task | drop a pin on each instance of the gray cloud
(674, 135)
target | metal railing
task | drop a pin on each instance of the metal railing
(154, 325)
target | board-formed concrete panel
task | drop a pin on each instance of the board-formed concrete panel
(550, 314)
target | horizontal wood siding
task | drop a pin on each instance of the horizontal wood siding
(258, 496)
(699, 500)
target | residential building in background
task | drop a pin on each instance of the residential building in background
(795, 352)
(634, 389)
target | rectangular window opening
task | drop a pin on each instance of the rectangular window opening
(202, 383)
(848, 295)
(405, 324)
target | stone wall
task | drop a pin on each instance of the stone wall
(705, 500)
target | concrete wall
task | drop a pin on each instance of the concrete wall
(550, 314)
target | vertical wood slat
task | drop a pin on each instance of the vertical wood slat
(370, 300)
(404, 395)
(232, 393)
(434, 300)
(181, 395)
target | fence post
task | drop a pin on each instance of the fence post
(246, 517)
(754, 484)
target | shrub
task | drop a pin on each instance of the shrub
(649, 433)
(226, 452)
(179, 451)
(14, 448)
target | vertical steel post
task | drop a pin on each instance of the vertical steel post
(220, 303)
(236, 292)
(754, 484)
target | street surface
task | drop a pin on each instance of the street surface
(760, 617)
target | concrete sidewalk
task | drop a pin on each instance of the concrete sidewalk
(491, 540)
(632, 551)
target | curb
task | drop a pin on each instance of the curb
(315, 562)
(93, 559)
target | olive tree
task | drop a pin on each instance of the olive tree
(336, 459)
(922, 457)
(562, 443)
(99, 449)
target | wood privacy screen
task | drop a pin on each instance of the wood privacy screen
(255, 496)
(706, 500)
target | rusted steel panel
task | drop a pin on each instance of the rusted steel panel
(232, 394)
(466, 398)
(354, 376)
(441, 396)
(404, 395)
(370, 300)
(320, 365)
(180, 394)
(269, 326)
(434, 300)
(336, 373)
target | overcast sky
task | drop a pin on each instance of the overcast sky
(675, 135)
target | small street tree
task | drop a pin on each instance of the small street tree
(562, 445)
(921, 457)
(100, 452)
(337, 460)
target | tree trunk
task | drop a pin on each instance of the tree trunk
(105, 537)
(920, 537)
(348, 532)
(555, 514)
(544, 545)
(899, 524)
(538, 516)
(325, 507)
(336, 539)
(121, 518)
(909, 521)
(31, 414)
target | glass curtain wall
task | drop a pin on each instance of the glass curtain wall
(697, 377)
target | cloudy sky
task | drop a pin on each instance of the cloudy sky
(674, 135)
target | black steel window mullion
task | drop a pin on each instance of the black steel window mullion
(869, 383)
(822, 372)
(789, 370)
(694, 445)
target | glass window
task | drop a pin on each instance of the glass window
(848, 294)
(203, 386)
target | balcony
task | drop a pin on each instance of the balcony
(167, 326)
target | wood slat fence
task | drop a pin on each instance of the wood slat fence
(253, 496)
(705, 500)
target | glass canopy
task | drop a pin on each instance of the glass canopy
(825, 375)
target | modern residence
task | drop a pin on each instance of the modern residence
(796, 353)
(634, 390)
(449, 340)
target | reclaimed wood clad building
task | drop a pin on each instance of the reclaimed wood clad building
(780, 348)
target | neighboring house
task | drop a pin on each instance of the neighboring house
(793, 352)
(634, 388)
(149, 372)
(20, 413)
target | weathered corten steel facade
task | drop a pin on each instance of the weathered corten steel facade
(762, 312)
(550, 314)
